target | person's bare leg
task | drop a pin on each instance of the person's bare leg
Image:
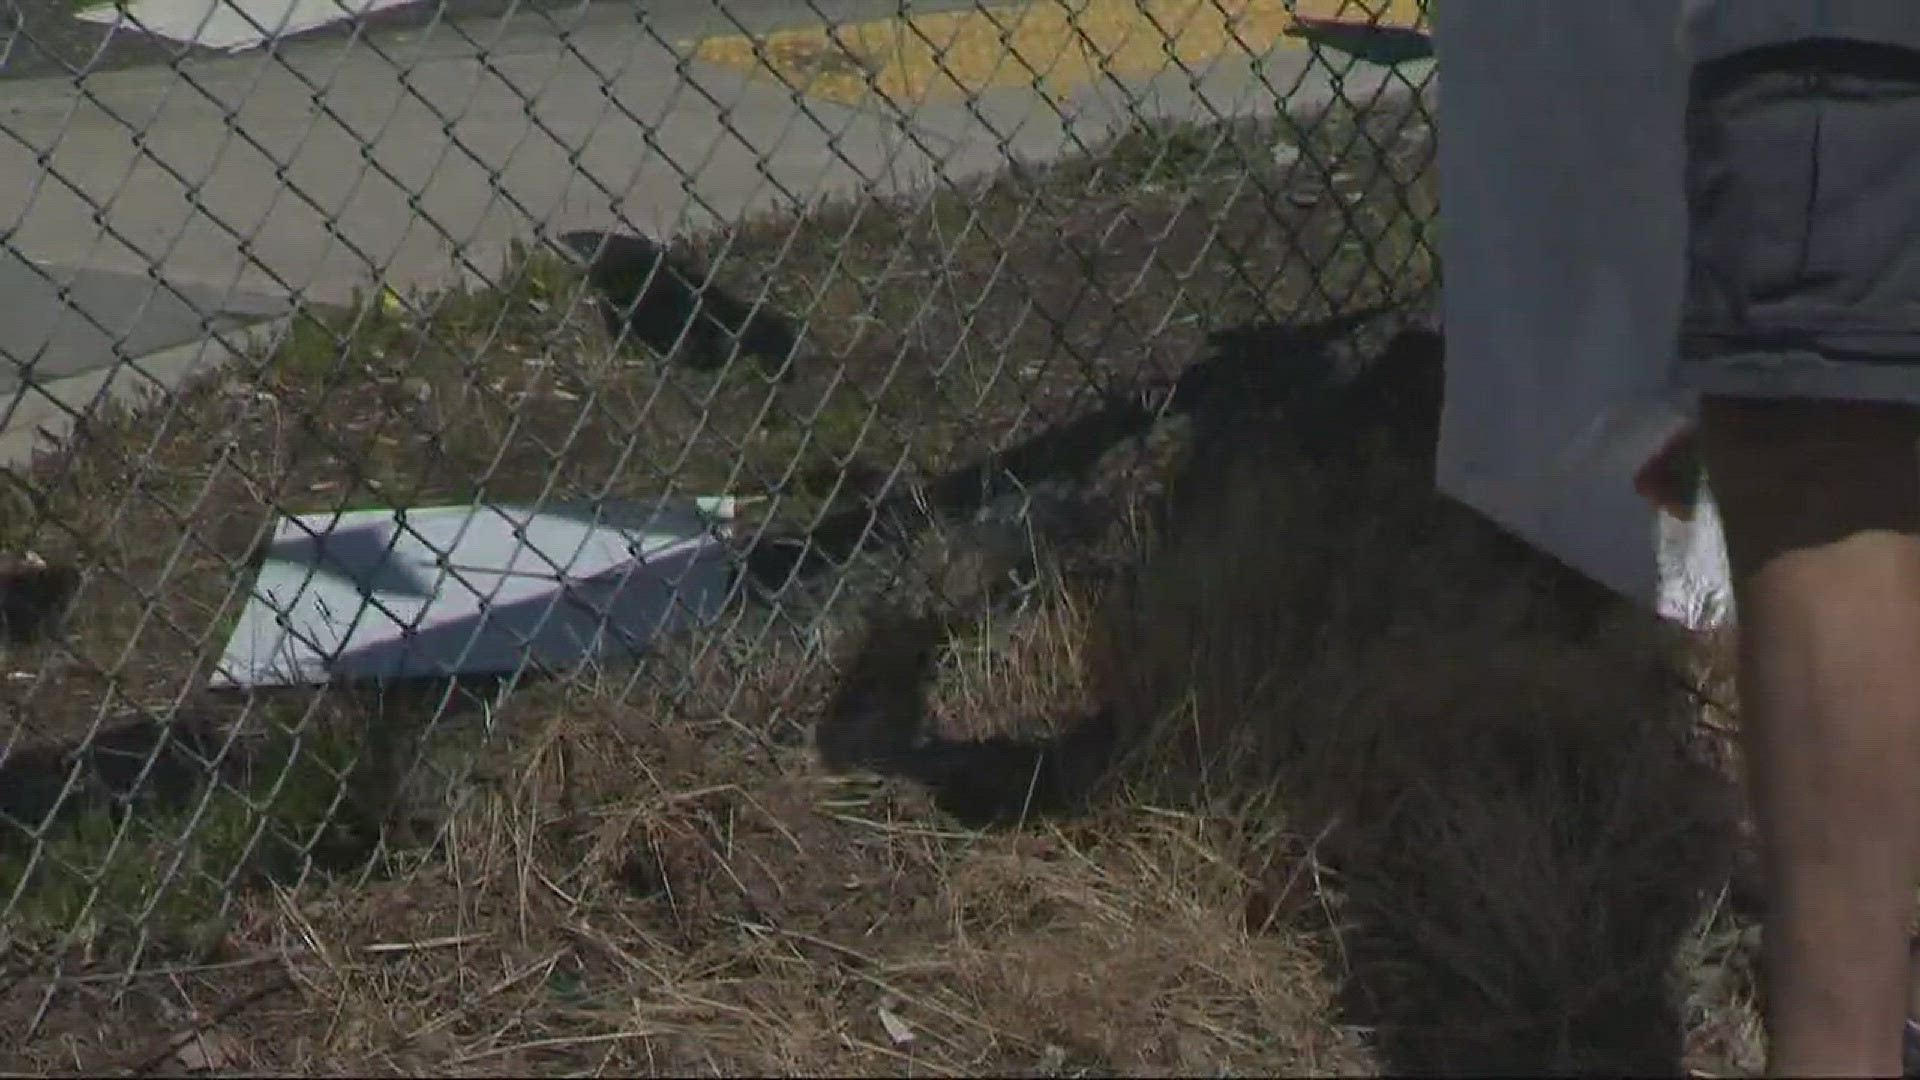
(1821, 506)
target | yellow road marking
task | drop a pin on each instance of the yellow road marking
(1057, 45)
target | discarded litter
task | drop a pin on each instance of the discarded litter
(897, 1030)
(230, 25)
(474, 590)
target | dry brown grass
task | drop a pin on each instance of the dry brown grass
(1451, 814)
(1465, 836)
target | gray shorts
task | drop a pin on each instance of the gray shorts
(1803, 245)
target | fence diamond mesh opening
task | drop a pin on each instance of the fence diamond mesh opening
(394, 400)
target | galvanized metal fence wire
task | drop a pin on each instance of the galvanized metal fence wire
(903, 250)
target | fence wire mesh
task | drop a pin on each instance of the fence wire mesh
(608, 357)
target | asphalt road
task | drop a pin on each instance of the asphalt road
(41, 38)
(59, 322)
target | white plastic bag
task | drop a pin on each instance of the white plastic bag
(1561, 236)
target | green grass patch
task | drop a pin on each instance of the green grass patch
(118, 873)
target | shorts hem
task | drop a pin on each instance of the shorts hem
(1800, 375)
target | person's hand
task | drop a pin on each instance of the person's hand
(1670, 480)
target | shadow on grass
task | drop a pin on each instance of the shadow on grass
(1212, 392)
(1495, 780)
(1522, 903)
(1509, 785)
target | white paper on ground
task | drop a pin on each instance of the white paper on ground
(232, 25)
(473, 589)
(1560, 174)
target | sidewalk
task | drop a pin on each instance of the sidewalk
(332, 168)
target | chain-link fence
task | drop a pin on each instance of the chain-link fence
(380, 394)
